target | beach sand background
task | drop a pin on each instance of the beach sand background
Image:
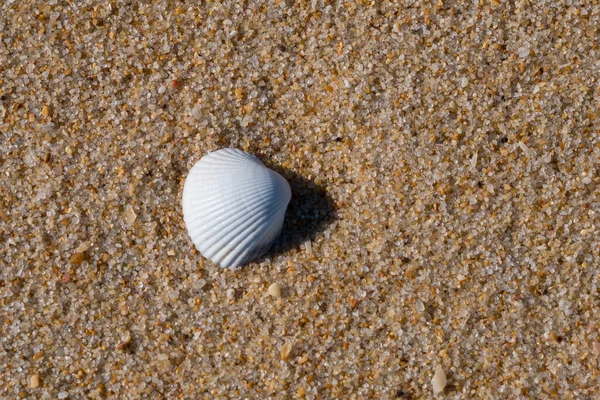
(444, 158)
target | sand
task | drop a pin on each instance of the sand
(444, 160)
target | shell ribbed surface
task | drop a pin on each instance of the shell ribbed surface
(233, 206)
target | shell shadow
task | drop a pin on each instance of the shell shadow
(309, 212)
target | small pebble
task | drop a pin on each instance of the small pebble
(308, 246)
(303, 359)
(587, 179)
(77, 258)
(286, 351)
(523, 147)
(275, 290)
(63, 395)
(34, 381)
(439, 380)
(524, 52)
(130, 215)
(197, 113)
(420, 306)
(82, 247)
(474, 162)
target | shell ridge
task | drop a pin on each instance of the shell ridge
(217, 163)
(209, 208)
(262, 245)
(242, 233)
(234, 191)
(244, 238)
(233, 206)
(234, 183)
(250, 220)
(208, 212)
(233, 247)
(233, 215)
(240, 244)
(218, 174)
(267, 238)
(232, 154)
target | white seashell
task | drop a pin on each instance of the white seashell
(233, 206)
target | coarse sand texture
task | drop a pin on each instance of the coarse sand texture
(443, 234)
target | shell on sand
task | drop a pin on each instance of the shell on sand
(233, 206)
